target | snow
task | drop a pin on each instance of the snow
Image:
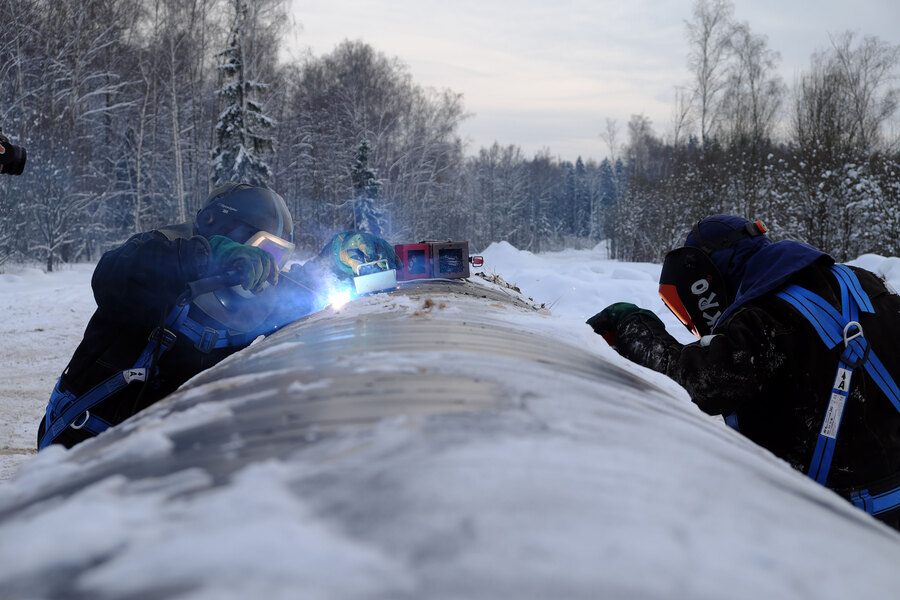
(584, 491)
(237, 522)
(44, 316)
(576, 284)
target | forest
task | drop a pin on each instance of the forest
(133, 110)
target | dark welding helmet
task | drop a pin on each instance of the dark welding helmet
(250, 215)
(238, 211)
(691, 284)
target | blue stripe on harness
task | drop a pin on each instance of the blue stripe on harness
(72, 408)
(877, 504)
(207, 338)
(798, 301)
(65, 410)
(833, 328)
(849, 278)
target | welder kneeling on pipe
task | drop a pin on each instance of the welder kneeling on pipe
(795, 351)
(177, 300)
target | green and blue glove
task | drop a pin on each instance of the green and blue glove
(255, 266)
(353, 248)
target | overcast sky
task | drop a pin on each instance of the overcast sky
(547, 75)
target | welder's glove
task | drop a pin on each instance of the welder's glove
(607, 320)
(255, 266)
(353, 248)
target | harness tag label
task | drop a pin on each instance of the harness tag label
(832, 421)
(134, 375)
(842, 380)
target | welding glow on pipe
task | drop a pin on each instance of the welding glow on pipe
(338, 298)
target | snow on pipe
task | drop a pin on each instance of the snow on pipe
(440, 440)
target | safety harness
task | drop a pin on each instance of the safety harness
(65, 409)
(834, 327)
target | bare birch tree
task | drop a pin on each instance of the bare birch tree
(709, 36)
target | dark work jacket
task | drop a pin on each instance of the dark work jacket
(135, 286)
(766, 364)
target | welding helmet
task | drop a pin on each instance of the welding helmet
(238, 211)
(699, 281)
(250, 215)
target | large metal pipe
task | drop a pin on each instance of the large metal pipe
(443, 428)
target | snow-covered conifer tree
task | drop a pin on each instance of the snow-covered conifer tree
(242, 131)
(369, 216)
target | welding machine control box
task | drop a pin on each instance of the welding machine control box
(433, 260)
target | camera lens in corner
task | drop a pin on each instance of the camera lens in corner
(12, 157)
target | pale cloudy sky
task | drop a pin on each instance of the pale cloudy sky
(542, 74)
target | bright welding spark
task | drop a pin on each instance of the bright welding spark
(339, 298)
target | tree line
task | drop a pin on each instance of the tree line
(133, 110)
(818, 162)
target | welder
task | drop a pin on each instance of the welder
(795, 351)
(177, 300)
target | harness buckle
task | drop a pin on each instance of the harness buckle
(87, 415)
(848, 337)
(207, 340)
(858, 333)
(166, 337)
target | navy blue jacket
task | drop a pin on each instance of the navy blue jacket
(135, 286)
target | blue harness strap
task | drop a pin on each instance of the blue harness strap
(66, 410)
(833, 328)
(878, 503)
(208, 338)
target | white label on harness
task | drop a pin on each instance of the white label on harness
(833, 416)
(134, 375)
(842, 380)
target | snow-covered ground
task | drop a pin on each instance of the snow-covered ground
(44, 316)
(576, 490)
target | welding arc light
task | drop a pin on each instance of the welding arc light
(339, 298)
